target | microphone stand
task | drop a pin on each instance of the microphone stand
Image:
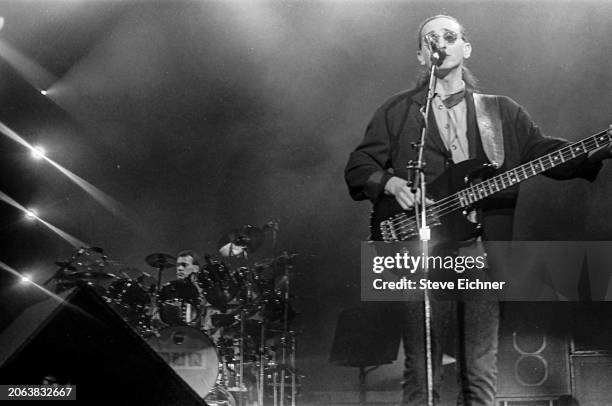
(419, 185)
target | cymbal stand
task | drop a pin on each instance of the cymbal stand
(249, 293)
(261, 356)
(275, 379)
(293, 370)
(160, 269)
(241, 359)
(274, 227)
(285, 331)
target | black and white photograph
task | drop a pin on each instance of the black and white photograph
(306, 202)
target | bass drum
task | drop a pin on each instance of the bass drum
(191, 354)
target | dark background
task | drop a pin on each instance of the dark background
(198, 117)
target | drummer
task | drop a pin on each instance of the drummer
(188, 268)
(187, 265)
(181, 301)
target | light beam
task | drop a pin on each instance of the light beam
(105, 200)
(29, 281)
(31, 71)
(75, 242)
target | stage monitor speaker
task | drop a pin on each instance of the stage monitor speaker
(81, 341)
(367, 335)
(533, 358)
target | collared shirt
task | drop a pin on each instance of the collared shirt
(388, 146)
(452, 126)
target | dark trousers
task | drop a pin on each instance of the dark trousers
(476, 353)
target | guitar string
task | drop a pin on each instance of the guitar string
(487, 188)
(453, 202)
(481, 187)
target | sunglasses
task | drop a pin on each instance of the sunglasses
(450, 37)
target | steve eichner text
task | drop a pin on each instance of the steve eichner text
(409, 263)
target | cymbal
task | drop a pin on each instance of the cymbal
(65, 265)
(89, 275)
(160, 260)
(247, 236)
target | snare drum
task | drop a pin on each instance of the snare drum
(191, 354)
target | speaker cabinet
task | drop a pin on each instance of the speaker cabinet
(589, 333)
(592, 378)
(533, 357)
(80, 340)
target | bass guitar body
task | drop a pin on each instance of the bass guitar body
(389, 222)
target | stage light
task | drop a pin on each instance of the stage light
(31, 214)
(26, 279)
(107, 201)
(38, 152)
(43, 92)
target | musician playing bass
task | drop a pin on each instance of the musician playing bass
(463, 124)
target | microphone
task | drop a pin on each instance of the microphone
(437, 55)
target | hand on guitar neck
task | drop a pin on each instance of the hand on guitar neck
(399, 188)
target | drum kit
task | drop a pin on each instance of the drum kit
(225, 329)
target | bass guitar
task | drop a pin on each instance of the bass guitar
(459, 188)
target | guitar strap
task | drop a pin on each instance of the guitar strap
(490, 127)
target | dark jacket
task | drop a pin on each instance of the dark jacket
(387, 148)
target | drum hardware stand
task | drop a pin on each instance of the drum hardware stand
(159, 277)
(279, 387)
(261, 356)
(275, 379)
(241, 360)
(248, 296)
(256, 299)
(285, 336)
(293, 370)
(274, 227)
(418, 185)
